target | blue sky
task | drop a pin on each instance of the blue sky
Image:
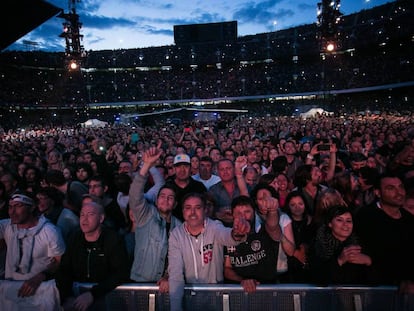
(115, 24)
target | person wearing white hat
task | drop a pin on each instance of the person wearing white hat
(183, 183)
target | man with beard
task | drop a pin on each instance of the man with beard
(253, 262)
(205, 174)
(154, 223)
(195, 248)
(387, 231)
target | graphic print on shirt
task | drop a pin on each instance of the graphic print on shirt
(207, 253)
(249, 256)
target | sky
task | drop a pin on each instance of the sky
(125, 24)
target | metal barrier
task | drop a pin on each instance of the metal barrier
(284, 297)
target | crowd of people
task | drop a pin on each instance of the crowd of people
(322, 200)
(262, 198)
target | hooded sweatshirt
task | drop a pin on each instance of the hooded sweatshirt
(196, 259)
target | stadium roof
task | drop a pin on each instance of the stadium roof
(19, 17)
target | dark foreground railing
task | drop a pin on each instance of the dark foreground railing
(284, 297)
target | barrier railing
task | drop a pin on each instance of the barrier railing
(285, 297)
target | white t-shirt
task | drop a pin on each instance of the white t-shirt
(43, 242)
(214, 179)
(284, 220)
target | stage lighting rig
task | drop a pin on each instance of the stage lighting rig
(74, 52)
(329, 18)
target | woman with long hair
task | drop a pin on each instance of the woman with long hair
(303, 232)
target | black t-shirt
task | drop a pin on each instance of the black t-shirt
(388, 241)
(256, 258)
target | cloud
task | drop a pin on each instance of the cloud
(306, 6)
(282, 13)
(167, 6)
(102, 22)
(96, 40)
(106, 23)
(205, 17)
(156, 31)
(261, 13)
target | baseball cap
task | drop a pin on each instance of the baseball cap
(181, 158)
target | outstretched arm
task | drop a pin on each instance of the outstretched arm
(240, 162)
(137, 202)
(270, 208)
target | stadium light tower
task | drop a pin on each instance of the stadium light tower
(74, 52)
(329, 17)
(328, 33)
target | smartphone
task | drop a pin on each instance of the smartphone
(206, 128)
(187, 129)
(324, 147)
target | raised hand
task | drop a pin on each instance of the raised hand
(241, 161)
(241, 227)
(269, 204)
(152, 154)
(150, 157)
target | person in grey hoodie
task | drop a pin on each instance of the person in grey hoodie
(195, 253)
(153, 224)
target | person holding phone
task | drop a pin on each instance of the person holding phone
(324, 156)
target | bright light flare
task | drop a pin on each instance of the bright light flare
(330, 47)
(73, 65)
